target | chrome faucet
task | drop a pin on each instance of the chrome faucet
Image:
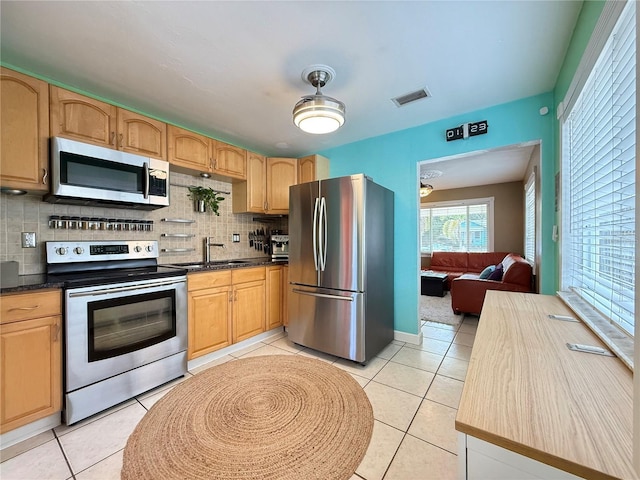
(207, 245)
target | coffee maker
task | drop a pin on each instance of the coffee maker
(279, 247)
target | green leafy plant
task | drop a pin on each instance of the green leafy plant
(208, 196)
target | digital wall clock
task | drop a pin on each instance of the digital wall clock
(467, 130)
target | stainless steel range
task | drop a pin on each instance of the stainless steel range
(125, 321)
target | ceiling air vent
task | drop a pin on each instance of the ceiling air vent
(411, 97)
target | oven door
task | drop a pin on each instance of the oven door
(114, 328)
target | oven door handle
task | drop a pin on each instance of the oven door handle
(107, 291)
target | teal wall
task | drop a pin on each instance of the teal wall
(392, 159)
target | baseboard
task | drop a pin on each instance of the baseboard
(412, 338)
(30, 430)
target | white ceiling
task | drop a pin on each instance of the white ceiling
(232, 69)
(500, 165)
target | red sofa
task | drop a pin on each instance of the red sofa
(455, 264)
(468, 290)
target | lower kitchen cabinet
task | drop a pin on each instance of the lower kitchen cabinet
(225, 307)
(248, 302)
(31, 357)
(285, 295)
(275, 286)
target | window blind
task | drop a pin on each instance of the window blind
(598, 244)
(530, 219)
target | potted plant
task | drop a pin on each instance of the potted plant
(205, 197)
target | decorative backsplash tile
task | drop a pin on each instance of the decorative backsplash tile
(28, 213)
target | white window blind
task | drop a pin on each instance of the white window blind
(598, 172)
(530, 219)
(464, 226)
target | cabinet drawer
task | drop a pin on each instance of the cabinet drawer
(22, 306)
(242, 275)
(200, 280)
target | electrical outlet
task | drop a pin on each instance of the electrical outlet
(28, 239)
(236, 237)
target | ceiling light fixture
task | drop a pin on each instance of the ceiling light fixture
(425, 189)
(318, 113)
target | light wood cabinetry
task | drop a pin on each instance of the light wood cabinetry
(229, 160)
(89, 120)
(24, 132)
(285, 295)
(275, 286)
(312, 167)
(31, 357)
(192, 152)
(225, 307)
(281, 174)
(248, 302)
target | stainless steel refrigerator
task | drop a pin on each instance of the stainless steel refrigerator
(341, 266)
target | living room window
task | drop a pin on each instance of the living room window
(530, 219)
(461, 226)
(598, 181)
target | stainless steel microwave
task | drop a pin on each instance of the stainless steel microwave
(85, 174)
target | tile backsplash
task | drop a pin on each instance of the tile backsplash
(29, 213)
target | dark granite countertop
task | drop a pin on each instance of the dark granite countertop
(41, 281)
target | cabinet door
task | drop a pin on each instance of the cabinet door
(281, 174)
(229, 160)
(274, 296)
(82, 118)
(188, 149)
(24, 132)
(31, 373)
(313, 167)
(285, 295)
(141, 135)
(209, 320)
(248, 310)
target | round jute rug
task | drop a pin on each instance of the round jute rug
(267, 417)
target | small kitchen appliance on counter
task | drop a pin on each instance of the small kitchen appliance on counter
(279, 247)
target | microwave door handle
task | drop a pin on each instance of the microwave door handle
(146, 180)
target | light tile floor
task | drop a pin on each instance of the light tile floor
(414, 391)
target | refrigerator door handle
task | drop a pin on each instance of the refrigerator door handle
(322, 295)
(315, 233)
(323, 233)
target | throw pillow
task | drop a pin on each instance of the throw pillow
(487, 271)
(496, 274)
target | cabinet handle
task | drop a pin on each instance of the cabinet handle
(230, 297)
(23, 308)
(120, 141)
(113, 138)
(235, 295)
(45, 174)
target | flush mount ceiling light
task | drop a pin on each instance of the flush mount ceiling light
(318, 113)
(425, 189)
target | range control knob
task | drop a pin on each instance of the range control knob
(78, 250)
(137, 249)
(62, 250)
(149, 248)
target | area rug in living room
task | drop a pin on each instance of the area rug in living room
(438, 309)
(264, 417)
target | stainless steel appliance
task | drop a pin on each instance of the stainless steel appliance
(279, 247)
(125, 321)
(341, 266)
(84, 174)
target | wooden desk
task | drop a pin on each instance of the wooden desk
(526, 392)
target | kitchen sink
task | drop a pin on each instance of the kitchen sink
(236, 262)
(204, 265)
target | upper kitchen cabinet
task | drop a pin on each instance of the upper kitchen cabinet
(229, 160)
(313, 167)
(267, 187)
(141, 135)
(281, 174)
(251, 196)
(195, 153)
(82, 118)
(24, 132)
(88, 120)
(189, 150)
